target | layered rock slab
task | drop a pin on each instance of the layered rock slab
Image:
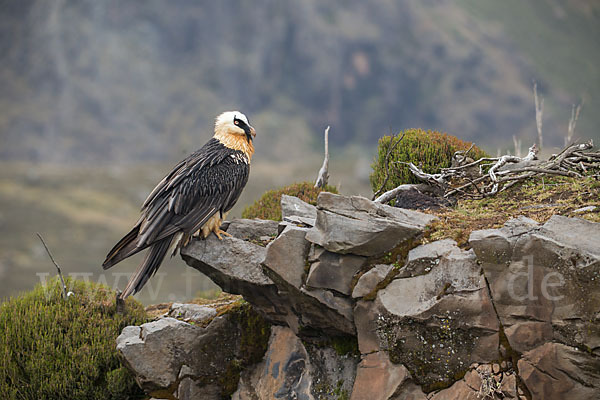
(252, 229)
(333, 271)
(359, 226)
(293, 206)
(236, 266)
(556, 371)
(377, 371)
(272, 279)
(191, 312)
(174, 359)
(369, 281)
(545, 280)
(283, 373)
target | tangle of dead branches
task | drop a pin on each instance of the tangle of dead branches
(488, 176)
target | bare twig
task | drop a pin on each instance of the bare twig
(492, 172)
(461, 188)
(539, 112)
(386, 163)
(471, 164)
(461, 155)
(532, 155)
(542, 171)
(64, 287)
(323, 176)
(474, 184)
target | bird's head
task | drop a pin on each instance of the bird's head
(234, 123)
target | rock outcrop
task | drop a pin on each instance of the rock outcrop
(359, 310)
(176, 359)
(435, 324)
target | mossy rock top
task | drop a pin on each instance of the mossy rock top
(269, 205)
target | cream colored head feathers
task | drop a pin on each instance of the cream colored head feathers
(233, 130)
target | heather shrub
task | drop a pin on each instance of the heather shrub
(51, 348)
(429, 149)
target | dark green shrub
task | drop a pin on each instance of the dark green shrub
(56, 349)
(432, 150)
(269, 205)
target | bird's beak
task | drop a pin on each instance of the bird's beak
(252, 131)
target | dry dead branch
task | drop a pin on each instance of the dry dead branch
(323, 176)
(432, 179)
(391, 194)
(532, 155)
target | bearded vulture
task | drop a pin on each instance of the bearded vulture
(193, 199)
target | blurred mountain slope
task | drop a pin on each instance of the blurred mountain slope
(120, 81)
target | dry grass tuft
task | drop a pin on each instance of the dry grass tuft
(537, 199)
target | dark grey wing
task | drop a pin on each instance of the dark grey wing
(208, 181)
(211, 190)
(205, 189)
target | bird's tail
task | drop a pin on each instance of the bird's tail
(148, 267)
(125, 248)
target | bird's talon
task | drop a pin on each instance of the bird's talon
(218, 232)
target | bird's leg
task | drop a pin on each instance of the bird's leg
(218, 232)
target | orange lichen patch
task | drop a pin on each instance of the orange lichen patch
(222, 303)
(157, 310)
(537, 199)
(222, 299)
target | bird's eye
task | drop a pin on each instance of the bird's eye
(236, 122)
